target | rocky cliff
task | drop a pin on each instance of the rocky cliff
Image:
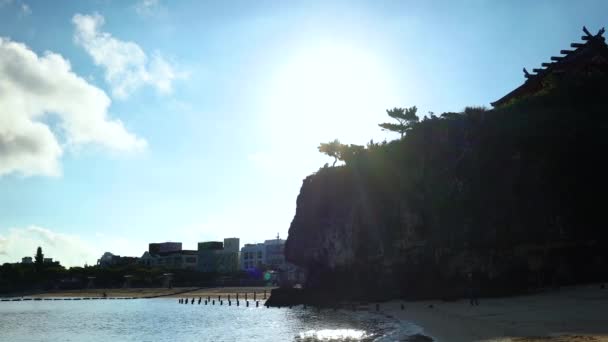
(513, 195)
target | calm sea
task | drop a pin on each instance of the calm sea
(166, 320)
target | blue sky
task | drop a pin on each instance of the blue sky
(191, 120)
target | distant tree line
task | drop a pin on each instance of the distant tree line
(40, 276)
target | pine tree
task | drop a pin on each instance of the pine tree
(406, 119)
(39, 256)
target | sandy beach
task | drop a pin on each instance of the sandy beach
(178, 292)
(570, 314)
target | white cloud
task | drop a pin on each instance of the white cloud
(147, 7)
(68, 249)
(127, 67)
(36, 87)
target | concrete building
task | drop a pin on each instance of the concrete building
(227, 262)
(275, 253)
(215, 256)
(164, 247)
(26, 260)
(207, 255)
(232, 245)
(253, 256)
(184, 259)
(229, 256)
(269, 254)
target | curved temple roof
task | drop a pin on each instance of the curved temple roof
(593, 48)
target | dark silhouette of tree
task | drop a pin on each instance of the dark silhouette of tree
(350, 153)
(406, 119)
(39, 257)
(332, 149)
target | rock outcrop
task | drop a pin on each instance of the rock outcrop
(512, 196)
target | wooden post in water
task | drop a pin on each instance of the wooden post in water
(229, 303)
(219, 297)
(237, 297)
(253, 295)
(245, 295)
(247, 303)
(257, 304)
(221, 302)
(213, 303)
(264, 294)
(205, 302)
(237, 302)
(229, 297)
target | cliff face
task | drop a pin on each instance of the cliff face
(508, 194)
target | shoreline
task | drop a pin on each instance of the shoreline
(177, 292)
(571, 314)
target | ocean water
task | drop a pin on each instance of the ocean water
(166, 320)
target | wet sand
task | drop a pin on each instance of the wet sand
(571, 314)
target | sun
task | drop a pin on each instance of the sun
(330, 91)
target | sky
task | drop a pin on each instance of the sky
(129, 122)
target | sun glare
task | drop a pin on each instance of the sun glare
(330, 92)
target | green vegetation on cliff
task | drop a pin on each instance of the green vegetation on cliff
(513, 194)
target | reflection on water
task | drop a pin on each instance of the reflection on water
(165, 320)
(333, 335)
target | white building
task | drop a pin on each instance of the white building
(253, 256)
(275, 253)
(270, 254)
